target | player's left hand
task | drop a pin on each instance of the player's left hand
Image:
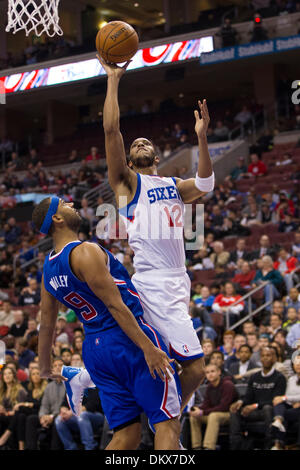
(202, 123)
(159, 363)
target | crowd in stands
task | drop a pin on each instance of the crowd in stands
(39, 50)
(252, 236)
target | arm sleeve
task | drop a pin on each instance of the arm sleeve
(280, 386)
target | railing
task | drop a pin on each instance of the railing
(43, 245)
(251, 312)
(248, 296)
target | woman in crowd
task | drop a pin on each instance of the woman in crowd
(28, 410)
(11, 393)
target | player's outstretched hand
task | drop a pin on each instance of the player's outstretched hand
(202, 123)
(53, 376)
(113, 69)
(159, 363)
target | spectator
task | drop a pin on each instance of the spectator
(61, 335)
(287, 407)
(239, 171)
(227, 33)
(287, 224)
(77, 345)
(28, 411)
(240, 252)
(256, 167)
(25, 354)
(217, 357)
(280, 338)
(201, 321)
(74, 156)
(286, 264)
(244, 116)
(53, 397)
(244, 279)
(258, 33)
(229, 303)
(294, 333)
(268, 273)
(244, 363)
(127, 263)
(87, 212)
(296, 246)
(66, 356)
(219, 256)
(14, 231)
(201, 260)
(11, 393)
(208, 347)
(275, 324)
(284, 206)
(89, 422)
(257, 404)
(6, 314)
(265, 248)
(206, 299)
(227, 347)
(253, 342)
(30, 295)
(94, 155)
(32, 329)
(19, 326)
(293, 299)
(221, 131)
(249, 327)
(76, 360)
(214, 411)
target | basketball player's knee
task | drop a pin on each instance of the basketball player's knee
(170, 427)
(128, 438)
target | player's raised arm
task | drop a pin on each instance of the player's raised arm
(119, 174)
(193, 188)
(89, 264)
(49, 311)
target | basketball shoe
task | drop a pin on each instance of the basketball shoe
(76, 384)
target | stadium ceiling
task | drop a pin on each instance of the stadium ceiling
(141, 13)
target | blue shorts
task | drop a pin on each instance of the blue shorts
(126, 388)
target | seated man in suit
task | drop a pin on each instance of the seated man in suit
(244, 363)
(239, 252)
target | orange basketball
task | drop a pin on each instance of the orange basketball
(117, 42)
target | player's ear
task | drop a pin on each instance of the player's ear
(57, 219)
(130, 164)
(156, 160)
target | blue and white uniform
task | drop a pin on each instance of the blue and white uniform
(116, 365)
(154, 223)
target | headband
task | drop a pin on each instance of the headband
(51, 211)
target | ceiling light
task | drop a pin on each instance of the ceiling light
(101, 24)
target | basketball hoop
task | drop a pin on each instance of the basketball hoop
(38, 16)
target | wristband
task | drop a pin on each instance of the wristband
(205, 184)
(284, 398)
(255, 405)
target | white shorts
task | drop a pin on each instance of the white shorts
(165, 297)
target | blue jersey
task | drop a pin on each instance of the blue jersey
(61, 282)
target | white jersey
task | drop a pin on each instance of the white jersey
(154, 222)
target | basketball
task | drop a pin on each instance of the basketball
(117, 42)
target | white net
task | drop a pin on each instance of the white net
(38, 16)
